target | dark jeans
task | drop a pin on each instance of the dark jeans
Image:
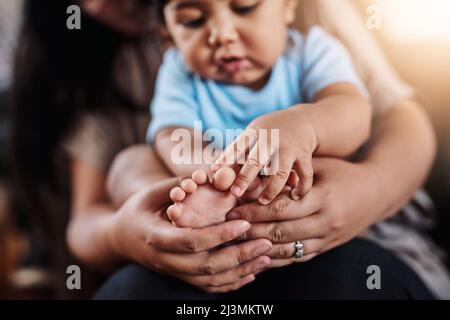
(337, 274)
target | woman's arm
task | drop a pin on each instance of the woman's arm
(91, 218)
(133, 169)
(140, 231)
(341, 117)
(402, 151)
(92, 212)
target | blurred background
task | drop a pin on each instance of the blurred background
(415, 35)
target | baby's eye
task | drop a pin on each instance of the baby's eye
(243, 10)
(194, 23)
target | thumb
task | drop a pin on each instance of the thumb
(157, 195)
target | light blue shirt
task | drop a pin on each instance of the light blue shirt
(309, 64)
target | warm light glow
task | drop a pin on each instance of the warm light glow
(409, 20)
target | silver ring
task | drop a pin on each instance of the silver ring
(299, 251)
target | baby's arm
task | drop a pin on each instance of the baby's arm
(341, 118)
(335, 126)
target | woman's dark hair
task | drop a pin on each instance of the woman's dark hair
(158, 6)
(59, 74)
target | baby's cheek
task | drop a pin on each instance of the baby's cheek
(269, 45)
(199, 63)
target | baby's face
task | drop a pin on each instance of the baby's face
(232, 41)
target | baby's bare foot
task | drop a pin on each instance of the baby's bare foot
(198, 203)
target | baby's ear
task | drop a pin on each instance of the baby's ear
(290, 11)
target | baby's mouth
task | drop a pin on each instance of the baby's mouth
(233, 64)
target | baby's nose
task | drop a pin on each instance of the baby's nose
(223, 32)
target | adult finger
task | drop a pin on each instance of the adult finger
(169, 238)
(215, 262)
(287, 250)
(158, 195)
(279, 263)
(280, 209)
(231, 276)
(232, 287)
(310, 227)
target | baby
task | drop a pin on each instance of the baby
(237, 64)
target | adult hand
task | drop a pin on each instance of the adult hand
(141, 232)
(345, 200)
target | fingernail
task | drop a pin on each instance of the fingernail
(264, 200)
(296, 194)
(241, 228)
(249, 279)
(261, 249)
(234, 215)
(236, 191)
(262, 264)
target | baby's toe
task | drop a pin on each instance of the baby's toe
(177, 194)
(174, 213)
(200, 176)
(224, 178)
(188, 185)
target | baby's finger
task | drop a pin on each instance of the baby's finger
(279, 179)
(257, 158)
(293, 180)
(236, 151)
(304, 168)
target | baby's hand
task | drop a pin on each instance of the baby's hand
(284, 139)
